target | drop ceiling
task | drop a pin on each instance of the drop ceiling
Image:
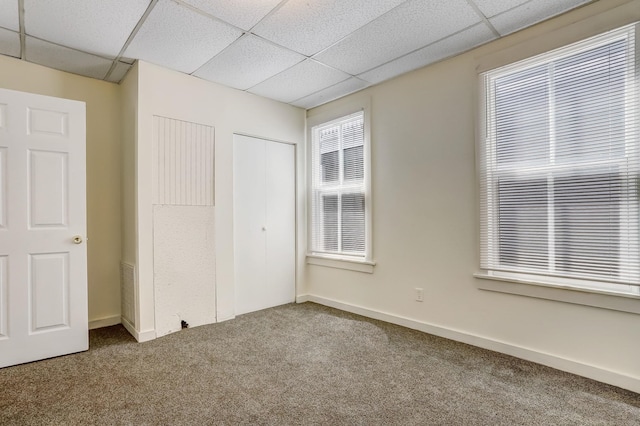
(302, 52)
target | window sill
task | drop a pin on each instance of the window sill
(341, 263)
(624, 302)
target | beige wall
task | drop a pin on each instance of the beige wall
(171, 94)
(425, 221)
(103, 172)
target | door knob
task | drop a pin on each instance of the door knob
(77, 239)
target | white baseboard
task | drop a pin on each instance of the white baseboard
(140, 336)
(104, 322)
(303, 298)
(570, 366)
(225, 318)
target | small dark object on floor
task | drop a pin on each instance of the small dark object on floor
(184, 324)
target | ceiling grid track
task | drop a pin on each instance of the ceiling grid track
(135, 30)
(203, 13)
(358, 29)
(475, 7)
(245, 33)
(271, 12)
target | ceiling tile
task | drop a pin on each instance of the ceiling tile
(310, 26)
(409, 27)
(247, 62)
(119, 72)
(493, 7)
(179, 38)
(299, 81)
(450, 46)
(9, 43)
(330, 93)
(241, 13)
(531, 13)
(9, 15)
(65, 59)
(95, 26)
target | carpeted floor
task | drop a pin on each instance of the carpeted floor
(304, 365)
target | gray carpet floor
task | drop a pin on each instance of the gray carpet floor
(301, 365)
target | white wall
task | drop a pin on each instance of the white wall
(129, 124)
(184, 266)
(171, 94)
(103, 173)
(425, 221)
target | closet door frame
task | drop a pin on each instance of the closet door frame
(263, 228)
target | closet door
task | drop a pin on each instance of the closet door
(280, 224)
(264, 223)
(249, 201)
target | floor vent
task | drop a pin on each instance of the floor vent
(127, 285)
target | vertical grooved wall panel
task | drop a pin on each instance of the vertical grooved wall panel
(183, 155)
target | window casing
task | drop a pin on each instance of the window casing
(559, 166)
(339, 189)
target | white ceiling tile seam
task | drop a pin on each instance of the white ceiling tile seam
(176, 37)
(279, 45)
(484, 18)
(9, 29)
(326, 88)
(208, 15)
(248, 62)
(307, 59)
(411, 26)
(66, 59)
(94, 26)
(108, 58)
(271, 12)
(236, 41)
(502, 11)
(423, 47)
(307, 77)
(333, 85)
(356, 30)
(320, 50)
(135, 30)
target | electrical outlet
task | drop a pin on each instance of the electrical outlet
(419, 295)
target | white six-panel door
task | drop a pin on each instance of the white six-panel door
(43, 257)
(264, 223)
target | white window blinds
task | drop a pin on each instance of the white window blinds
(559, 163)
(338, 187)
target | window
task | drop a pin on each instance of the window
(559, 166)
(339, 176)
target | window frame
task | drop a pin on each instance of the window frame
(601, 293)
(324, 116)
